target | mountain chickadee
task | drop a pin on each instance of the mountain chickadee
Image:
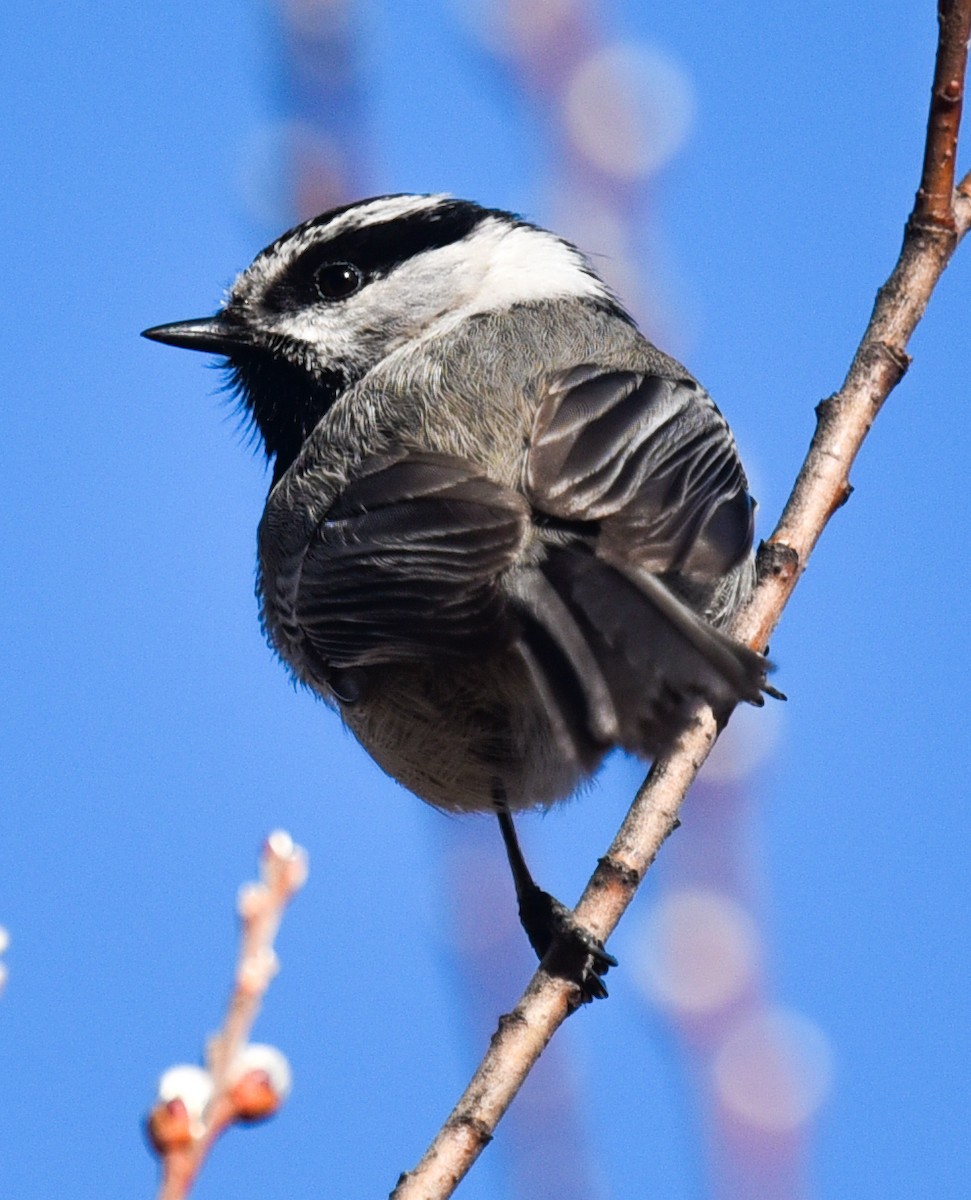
(504, 531)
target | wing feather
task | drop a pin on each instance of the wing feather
(651, 460)
(407, 562)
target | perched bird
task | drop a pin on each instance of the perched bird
(504, 531)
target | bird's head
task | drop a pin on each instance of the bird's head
(333, 297)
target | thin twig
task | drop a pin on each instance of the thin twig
(261, 906)
(182, 1139)
(934, 199)
(940, 218)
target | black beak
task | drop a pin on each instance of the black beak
(215, 334)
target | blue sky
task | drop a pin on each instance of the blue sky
(149, 740)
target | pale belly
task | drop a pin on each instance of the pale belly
(453, 731)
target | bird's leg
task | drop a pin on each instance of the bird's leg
(576, 954)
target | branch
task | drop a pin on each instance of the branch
(940, 218)
(934, 197)
(242, 1082)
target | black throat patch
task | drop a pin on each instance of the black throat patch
(284, 400)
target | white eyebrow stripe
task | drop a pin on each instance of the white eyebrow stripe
(260, 273)
(385, 208)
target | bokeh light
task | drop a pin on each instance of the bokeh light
(773, 1069)
(699, 952)
(629, 108)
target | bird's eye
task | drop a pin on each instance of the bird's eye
(336, 280)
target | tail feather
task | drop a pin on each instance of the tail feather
(636, 655)
(553, 613)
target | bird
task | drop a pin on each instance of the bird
(505, 533)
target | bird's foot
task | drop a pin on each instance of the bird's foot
(565, 948)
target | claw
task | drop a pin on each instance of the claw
(565, 948)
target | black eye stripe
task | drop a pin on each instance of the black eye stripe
(375, 249)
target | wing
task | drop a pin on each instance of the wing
(646, 469)
(406, 564)
(649, 459)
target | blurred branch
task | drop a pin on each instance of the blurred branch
(241, 1082)
(940, 219)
